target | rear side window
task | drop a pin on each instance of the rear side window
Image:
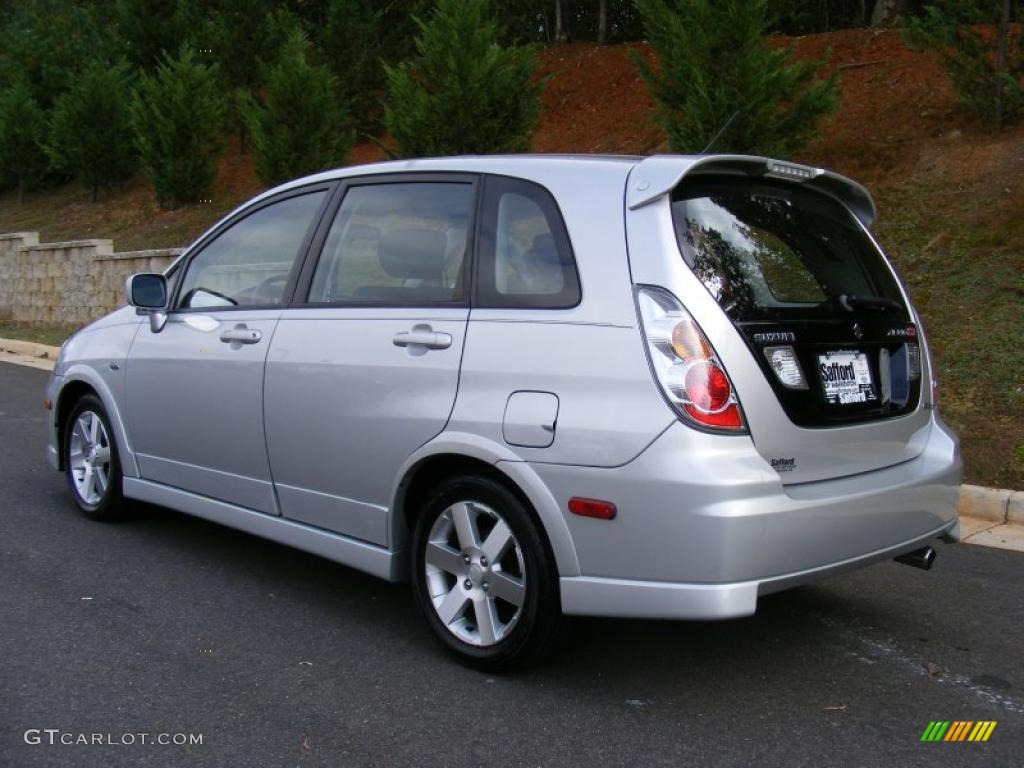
(399, 244)
(526, 260)
(776, 252)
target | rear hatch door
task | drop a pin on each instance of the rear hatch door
(818, 337)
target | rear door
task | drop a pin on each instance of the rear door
(364, 369)
(809, 320)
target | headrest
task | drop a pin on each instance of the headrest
(543, 249)
(413, 253)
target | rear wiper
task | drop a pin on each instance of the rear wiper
(851, 302)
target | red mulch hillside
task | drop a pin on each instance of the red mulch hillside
(890, 99)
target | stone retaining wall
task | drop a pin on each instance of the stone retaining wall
(68, 283)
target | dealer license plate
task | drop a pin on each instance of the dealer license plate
(846, 378)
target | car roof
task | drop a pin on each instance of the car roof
(653, 176)
(522, 163)
(649, 177)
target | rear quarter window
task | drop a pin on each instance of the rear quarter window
(526, 259)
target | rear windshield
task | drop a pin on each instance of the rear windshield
(778, 252)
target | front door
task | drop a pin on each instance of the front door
(195, 389)
(365, 368)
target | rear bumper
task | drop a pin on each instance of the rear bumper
(705, 526)
(594, 596)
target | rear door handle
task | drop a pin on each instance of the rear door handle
(239, 335)
(423, 336)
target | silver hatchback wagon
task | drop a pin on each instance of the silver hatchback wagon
(533, 386)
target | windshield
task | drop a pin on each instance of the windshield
(777, 252)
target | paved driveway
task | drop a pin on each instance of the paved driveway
(279, 658)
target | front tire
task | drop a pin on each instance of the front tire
(483, 575)
(91, 463)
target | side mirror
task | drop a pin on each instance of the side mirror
(147, 292)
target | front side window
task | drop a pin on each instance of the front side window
(249, 263)
(397, 244)
(526, 260)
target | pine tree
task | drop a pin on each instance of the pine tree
(91, 133)
(987, 70)
(177, 119)
(359, 38)
(301, 126)
(463, 92)
(351, 46)
(153, 28)
(45, 43)
(23, 161)
(713, 62)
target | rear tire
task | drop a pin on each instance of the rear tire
(483, 576)
(91, 463)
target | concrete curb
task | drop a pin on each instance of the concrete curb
(29, 349)
(997, 505)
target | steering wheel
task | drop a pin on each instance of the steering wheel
(262, 291)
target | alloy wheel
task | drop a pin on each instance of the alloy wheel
(89, 457)
(475, 573)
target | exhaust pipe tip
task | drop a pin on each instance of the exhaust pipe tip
(922, 558)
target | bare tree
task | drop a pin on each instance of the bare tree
(560, 35)
(602, 21)
(1002, 56)
(886, 11)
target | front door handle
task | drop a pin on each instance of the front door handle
(239, 335)
(423, 336)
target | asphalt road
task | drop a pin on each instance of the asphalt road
(279, 658)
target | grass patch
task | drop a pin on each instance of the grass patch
(962, 259)
(52, 334)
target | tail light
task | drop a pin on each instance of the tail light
(689, 372)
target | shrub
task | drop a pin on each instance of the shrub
(23, 161)
(300, 127)
(178, 119)
(463, 92)
(713, 61)
(91, 133)
(986, 69)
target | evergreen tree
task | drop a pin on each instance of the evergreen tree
(23, 161)
(713, 62)
(91, 133)
(177, 119)
(151, 28)
(243, 37)
(351, 45)
(463, 92)
(47, 42)
(987, 70)
(359, 38)
(301, 126)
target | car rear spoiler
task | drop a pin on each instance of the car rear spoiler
(658, 175)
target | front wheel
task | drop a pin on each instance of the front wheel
(91, 463)
(482, 574)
